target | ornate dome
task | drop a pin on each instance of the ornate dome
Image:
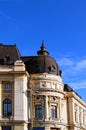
(42, 63)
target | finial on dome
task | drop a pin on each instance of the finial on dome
(43, 50)
(43, 46)
(42, 42)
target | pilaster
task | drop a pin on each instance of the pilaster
(20, 98)
(46, 108)
(47, 128)
(21, 127)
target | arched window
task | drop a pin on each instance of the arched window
(7, 107)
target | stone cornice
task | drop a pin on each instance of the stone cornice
(13, 73)
(76, 97)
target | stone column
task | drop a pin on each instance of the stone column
(46, 108)
(59, 110)
(81, 118)
(71, 110)
(77, 113)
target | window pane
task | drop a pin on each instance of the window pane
(54, 111)
(38, 128)
(7, 107)
(39, 111)
(7, 86)
(6, 127)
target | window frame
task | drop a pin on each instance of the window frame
(7, 86)
(53, 111)
(7, 107)
(39, 111)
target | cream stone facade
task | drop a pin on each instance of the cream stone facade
(39, 100)
(16, 77)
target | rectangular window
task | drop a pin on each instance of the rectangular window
(38, 128)
(39, 111)
(54, 111)
(55, 129)
(6, 127)
(80, 117)
(75, 116)
(7, 86)
(83, 117)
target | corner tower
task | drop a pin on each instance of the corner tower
(45, 91)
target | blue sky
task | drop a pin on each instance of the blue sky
(62, 26)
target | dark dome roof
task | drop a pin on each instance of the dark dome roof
(9, 54)
(41, 63)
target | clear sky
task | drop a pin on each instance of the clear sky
(62, 26)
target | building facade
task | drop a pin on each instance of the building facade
(33, 96)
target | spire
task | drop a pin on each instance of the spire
(43, 51)
(42, 46)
